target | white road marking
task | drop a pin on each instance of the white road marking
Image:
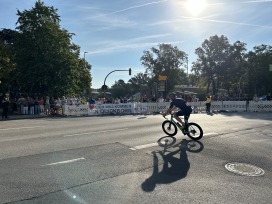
(144, 146)
(65, 162)
(103, 131)
(156, 144)
(21, 128)
(211, 133)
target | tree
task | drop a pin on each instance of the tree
(259, 76)
(48, 62)
(7, 64)
(219, 62)
(121, 89)
(167, 61)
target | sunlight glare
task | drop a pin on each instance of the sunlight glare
(196, 6)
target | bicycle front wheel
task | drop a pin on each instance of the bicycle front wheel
(195, 132)
(169, 128)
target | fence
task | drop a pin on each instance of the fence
(150, 108)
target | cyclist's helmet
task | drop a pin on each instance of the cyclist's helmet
(172, 94)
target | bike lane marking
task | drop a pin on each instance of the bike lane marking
(103, 131)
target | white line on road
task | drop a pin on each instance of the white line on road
(211, 133)
(156, 144)
(21, 128)
(65, 162)
(103, 131)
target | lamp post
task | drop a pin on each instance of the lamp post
(84, 56)
(187, 66)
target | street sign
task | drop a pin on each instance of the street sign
(162, 77)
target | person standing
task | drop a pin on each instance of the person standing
(47, 105)
(268, 97)
(208, 104)
(41, 103)
(5, 105)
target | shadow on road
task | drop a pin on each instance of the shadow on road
(175, 163)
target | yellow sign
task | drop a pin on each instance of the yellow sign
(162, 77)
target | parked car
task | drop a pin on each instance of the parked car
(263, 98)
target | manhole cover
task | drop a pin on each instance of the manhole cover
(244, 169)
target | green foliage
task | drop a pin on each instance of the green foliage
(7, 64)
(168, 61)
(48, 63)
(219, 62)
(121, 89)
(259, 77)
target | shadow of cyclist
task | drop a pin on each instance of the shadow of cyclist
(175, 166)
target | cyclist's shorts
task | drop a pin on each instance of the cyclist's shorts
(186, 113)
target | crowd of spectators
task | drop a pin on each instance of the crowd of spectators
(28, 105)
(50, 105)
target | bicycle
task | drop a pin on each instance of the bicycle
(169, 127)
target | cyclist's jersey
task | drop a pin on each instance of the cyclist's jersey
(181, 104)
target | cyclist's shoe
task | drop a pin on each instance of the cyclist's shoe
(186, 129)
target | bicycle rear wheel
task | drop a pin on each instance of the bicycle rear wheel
(169, 128)
(195, 132)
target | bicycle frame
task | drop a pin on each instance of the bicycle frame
(172, 119)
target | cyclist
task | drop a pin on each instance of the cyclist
(185, 110)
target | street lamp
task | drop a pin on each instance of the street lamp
(84, 55)
(187, 66)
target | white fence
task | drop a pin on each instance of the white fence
(150, 108)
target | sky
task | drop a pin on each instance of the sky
(115, 33)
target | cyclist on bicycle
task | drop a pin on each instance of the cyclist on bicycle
(185, 109)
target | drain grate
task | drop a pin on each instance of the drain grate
(244, 169)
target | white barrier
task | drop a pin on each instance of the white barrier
(75, 110)
(260, 106)
(239, 106)
(150, 108)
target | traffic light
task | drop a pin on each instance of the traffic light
(129, 71)
(104, 87)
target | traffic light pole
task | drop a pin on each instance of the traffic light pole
(104, 87)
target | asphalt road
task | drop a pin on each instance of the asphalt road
(128, 159)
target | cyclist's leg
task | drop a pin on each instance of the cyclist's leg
(176, 116)
(186, 118)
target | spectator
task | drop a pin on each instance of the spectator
(37, 109)
(5, 105)
(153, 99)
(161, 100)
(41, 103)
(52, 105)
(30, 102)
(268, 97)
(47, 105)
(25, 106)
(208, 104)
(144, 100)
(255, 98)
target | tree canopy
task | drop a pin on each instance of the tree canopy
(219, 62)
(47, 61)
(166, 60)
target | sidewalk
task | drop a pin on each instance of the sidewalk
(21, 116)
